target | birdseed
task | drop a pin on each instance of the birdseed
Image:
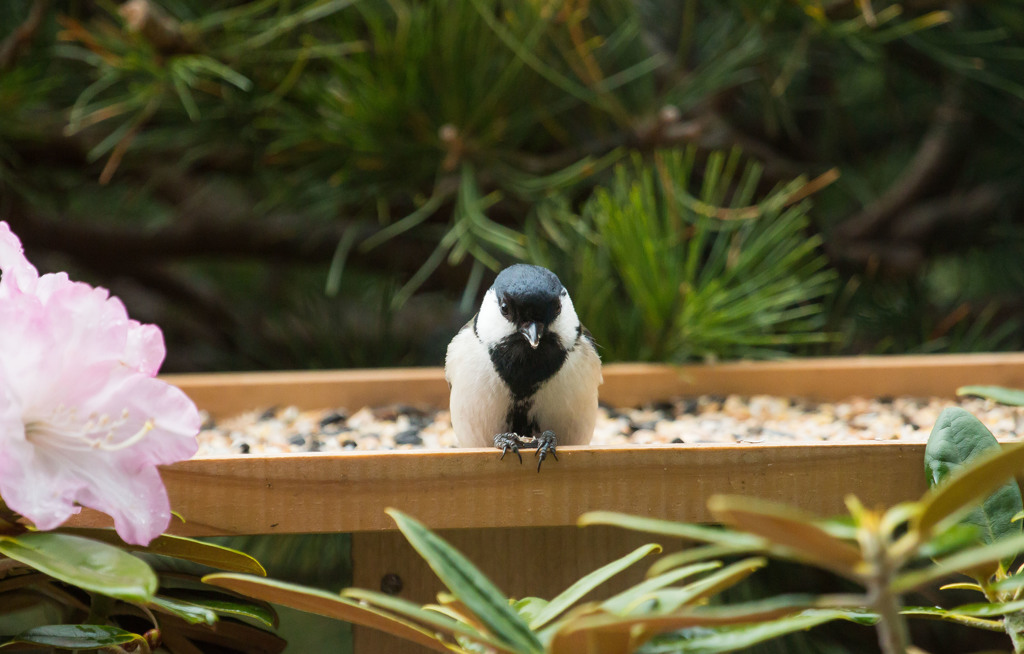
(705, 419)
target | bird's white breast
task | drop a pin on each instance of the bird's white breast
(567, 403)
(480, 400)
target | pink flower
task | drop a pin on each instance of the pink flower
(83, 421)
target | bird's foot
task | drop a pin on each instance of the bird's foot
(509, 441)
(545, 444)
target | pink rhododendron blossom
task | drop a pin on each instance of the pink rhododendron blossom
(83, 421)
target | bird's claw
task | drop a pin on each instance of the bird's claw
(506, 442)
(545, 444)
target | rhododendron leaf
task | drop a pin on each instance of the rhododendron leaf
(623, 601)
(960, 490)
(469, 584)
(731, 639)
(73, 636)
(787, 528)
(190, 613)
(442, 622)
(575, 592)
(963, 561)
(957, 440)
(672, 599)
(1011, 396)
(529, 608)
(609, 634)
(88, 564)
(700, 533)
(179, 547)
(950, 615)
(321, 602)
(226, 605)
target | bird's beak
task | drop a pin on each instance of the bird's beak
(532, 332)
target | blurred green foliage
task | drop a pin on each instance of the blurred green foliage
(702, 280)
(320, 183)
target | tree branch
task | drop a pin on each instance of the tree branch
(19, 40)
(934, 157)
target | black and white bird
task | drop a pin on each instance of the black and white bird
(524, 372)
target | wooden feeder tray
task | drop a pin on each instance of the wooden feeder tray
(518, 525)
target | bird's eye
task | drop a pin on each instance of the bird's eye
(564, 293)
(504, 308)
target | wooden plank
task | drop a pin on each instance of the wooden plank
(472, 488)
(348, 492)
(522, 562)
(225, 394)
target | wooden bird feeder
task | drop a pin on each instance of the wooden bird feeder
(520, 526)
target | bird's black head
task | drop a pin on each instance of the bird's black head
(528, 323)
(529, 296)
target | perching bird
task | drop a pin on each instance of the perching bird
(524, 368)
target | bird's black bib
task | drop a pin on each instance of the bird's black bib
(523, 368)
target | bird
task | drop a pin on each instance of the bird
(524, 372)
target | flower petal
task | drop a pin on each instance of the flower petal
(18, 273)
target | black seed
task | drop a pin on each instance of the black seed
(663, 406)
(408, 437)
(677, 440)
(391, 584)
(689, 406)
(409, 410)
(349, 445)
(333, 418)
(244, 448)
(886, 399)
(649, 425)
(269, 414)
(297, 439)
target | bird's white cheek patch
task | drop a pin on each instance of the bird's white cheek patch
(567, 324)
(491, 326)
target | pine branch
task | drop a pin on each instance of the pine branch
(133, 248)
(936, 155)
(18, 41)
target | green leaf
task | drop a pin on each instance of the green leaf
(437, 617)
(321, 602)
(73, 636)
(956, 441)
(85, 563)
(240, 608)
(623, 601)
(959, 562)
(788, 528)
(677, 529)
(529, 608)
(988, 609)
(468, 584)
(179, 547)
(730, 639)
(188, 612)
(936, 613)
(951, 540)
(989, 472)
(698, 553)
(1010, 583)
(589, 582)
(1011, 396)
(600, 627)
(672, 599)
